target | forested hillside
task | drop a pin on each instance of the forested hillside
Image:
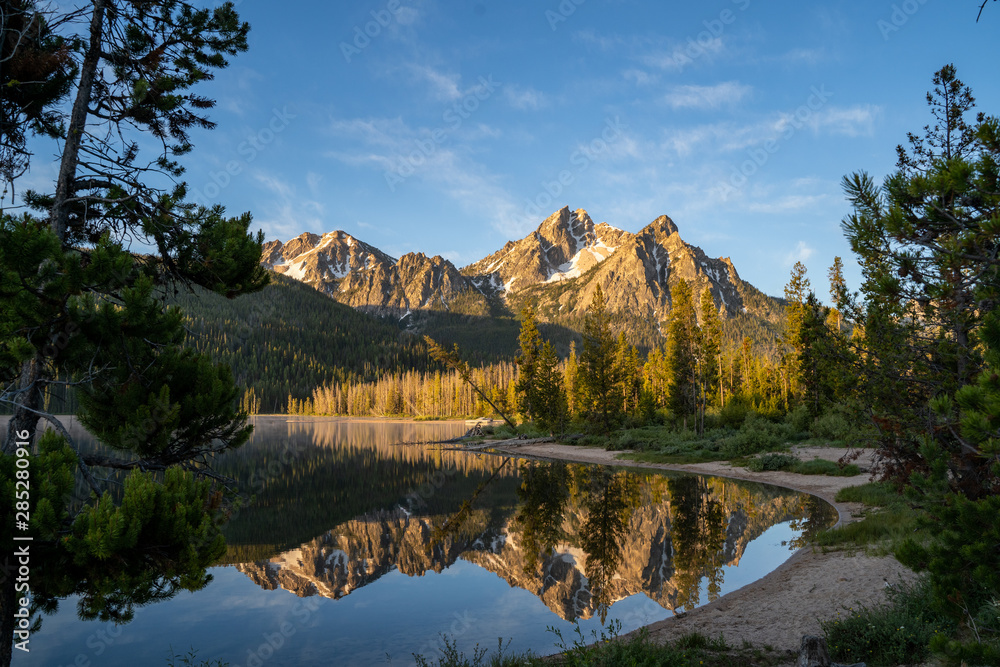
(288, 338)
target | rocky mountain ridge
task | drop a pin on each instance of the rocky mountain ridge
(557, 268)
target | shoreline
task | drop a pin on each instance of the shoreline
(779, 608)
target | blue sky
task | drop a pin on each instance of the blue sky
(452, 127)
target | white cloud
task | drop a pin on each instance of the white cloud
(682, 55)
(787, 204)
(288, 213)
(407, 16)
(856, 121)
(801, 253)
(639, 77)
(728, 136)
(396, 149)
(707, 97)
(443, 86)
(525, 99)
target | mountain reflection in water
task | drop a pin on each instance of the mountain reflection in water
(384, 547)
(579, 537)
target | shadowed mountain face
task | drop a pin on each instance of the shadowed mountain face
(557, 267)
(578, 537)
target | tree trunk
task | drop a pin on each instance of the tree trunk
(59, 214)
(25, 418)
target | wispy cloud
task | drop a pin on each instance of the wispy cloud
(801, 253)
(727, 93)
(443, 86)
(287, 212)
(787, 204)
(639, 77)
(729, 136)
(525, 99)
(680, 56)
(383, 143)
(855, 121)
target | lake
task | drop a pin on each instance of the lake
(361, 547)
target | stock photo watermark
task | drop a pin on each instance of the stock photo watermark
(403, 166)
(562, 13)
(757, 157)
(363, 35)
(700, 44)
(248, 151)
(20, 566)
(899, 17)
(580, 160)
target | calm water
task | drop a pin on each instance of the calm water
(358, 550)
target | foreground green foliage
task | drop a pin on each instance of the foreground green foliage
(888, 520)
(608, 650)
(897, 632)
(790, 463)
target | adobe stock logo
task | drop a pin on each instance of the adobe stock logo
(759, 156)
(900, 16)
(363, 35)
(248, 150)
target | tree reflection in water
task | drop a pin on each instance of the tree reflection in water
(698, 530)
(610, 497)
(543, 496)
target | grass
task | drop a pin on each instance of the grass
(893, 633)
(607, 650)
(888, 520)
(789, 463)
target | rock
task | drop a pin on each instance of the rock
(815, 654)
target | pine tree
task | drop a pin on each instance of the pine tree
(599, 382)
(796, 292)
(80, 307)
(710, 347)
(530, 341)
(838, 290)
(551, 408)
(682, 353)
(926, 242)
(36, 72)
(629, 374)
(571, 380)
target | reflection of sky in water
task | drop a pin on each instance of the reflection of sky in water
(399, 615)
(235, 620)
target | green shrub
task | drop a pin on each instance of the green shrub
(771, 461)
(607, 650)
(799, 419)
(756, 435)
(629, 439)
(824, 467)
(894, 633)
(734, 413)
(962, 560)
(592, 440)
(832, 426)
(884, 529)
(873, 494)
(452, 657)
(502, 431)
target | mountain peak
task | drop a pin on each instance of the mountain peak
(635, 270)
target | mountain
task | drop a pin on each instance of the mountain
(363, 277)
(556, 268)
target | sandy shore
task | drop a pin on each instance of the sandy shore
(809, 587)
